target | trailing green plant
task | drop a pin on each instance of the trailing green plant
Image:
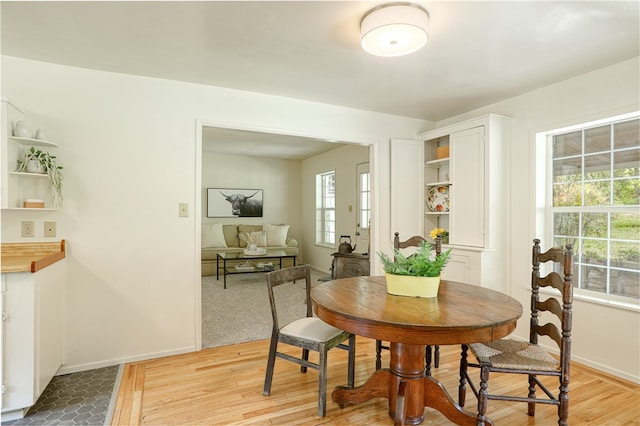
(419, 264)
(49, 166)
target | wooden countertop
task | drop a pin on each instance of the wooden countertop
(31, 257)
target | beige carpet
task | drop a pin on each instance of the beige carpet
(241, 313)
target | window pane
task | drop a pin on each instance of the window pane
(567, 170)
(566, 224)
(594, 279)
(596, 193)
(625, 255)
(626, 134)
(364, 182)
(594, 252)
(364, 219)
(567, 144)
(625, 226)
(625, 283)
(626, 192)
(597, 139)
(594, 225)
(567, 194)
(597, 166)
(626, 163)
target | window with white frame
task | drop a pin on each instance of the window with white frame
(326, 208)
(594, 199)
(364, 197)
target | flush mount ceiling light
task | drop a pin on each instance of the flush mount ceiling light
(394, 29)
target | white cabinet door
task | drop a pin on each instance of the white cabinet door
(407, 187)
(467, 191)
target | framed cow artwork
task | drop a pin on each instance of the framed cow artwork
(233, 202)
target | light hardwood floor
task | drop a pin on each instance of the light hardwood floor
(223, 386)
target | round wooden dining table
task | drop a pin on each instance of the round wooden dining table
(460, 313)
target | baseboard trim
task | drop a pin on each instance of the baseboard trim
(67, 369)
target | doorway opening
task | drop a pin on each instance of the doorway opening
(243, 157)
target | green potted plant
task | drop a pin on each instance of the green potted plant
(38, 161)
(417, 275)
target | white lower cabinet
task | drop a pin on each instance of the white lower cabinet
(32, 336)
(472, 266)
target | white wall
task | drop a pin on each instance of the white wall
(278, 178)
(128, 145)
(605, 337)
(343, 161)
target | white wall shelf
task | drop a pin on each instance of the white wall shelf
(17, 187)
(26, 174)
(437, 163)
(34, 142)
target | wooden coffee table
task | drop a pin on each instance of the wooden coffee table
(461, 313)
(270, 255)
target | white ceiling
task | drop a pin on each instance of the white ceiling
(478, 52)
(259, 144)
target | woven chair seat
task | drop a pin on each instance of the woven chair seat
(515, 355)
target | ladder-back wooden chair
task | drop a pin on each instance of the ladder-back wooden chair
(308, 333)
(514, 356)
(414, 241)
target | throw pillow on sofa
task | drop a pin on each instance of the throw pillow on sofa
(231, 235)
(212, 235)
(260, 238)
(277, 235)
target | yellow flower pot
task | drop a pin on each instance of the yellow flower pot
(405, 285)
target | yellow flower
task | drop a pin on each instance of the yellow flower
(436, 231)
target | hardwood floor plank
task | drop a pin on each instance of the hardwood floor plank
(223, 386)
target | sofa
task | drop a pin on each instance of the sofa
(232, 238)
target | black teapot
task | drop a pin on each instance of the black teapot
(345, 244)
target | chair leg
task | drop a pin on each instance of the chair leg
(305, 356)
(322, 382)
(462, 387)
(427, 360)
(378, 354)
(532, 394)
(483, 395)
(563, 408)
(436, 356)
(351, 375)
(268, 377)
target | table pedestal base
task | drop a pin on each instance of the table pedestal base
(408, 390)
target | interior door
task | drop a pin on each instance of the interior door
(363, 207)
